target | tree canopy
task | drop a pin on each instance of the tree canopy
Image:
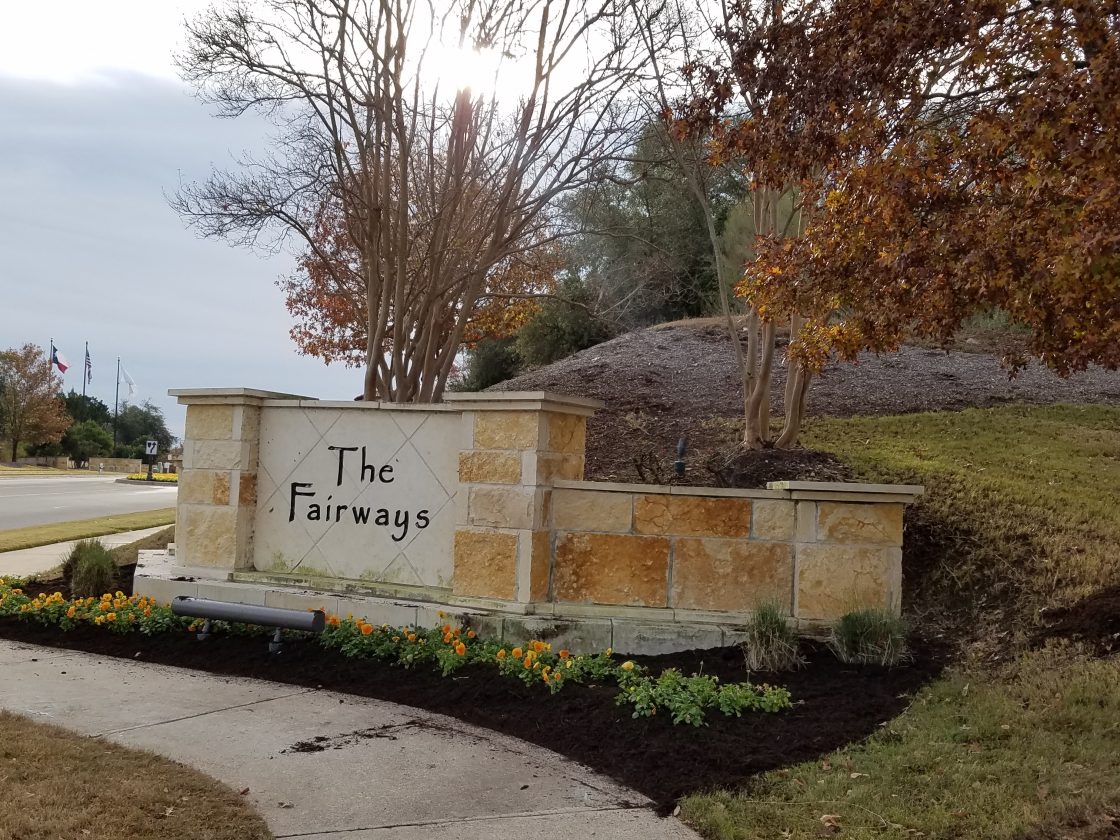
(30, 409)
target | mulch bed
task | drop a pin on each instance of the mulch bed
(754, 468)
(834, 704)
(1094, 621)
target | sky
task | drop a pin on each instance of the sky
(96, 131)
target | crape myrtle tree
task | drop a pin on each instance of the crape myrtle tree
(438, 191)
(948, 158)
(768, 202)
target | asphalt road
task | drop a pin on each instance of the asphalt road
(40, 501)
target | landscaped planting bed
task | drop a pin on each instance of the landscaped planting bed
(593, 721)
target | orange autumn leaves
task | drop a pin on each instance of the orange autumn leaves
(966, 158)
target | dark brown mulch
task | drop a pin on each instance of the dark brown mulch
(1094, 620)
(123, 582)
(680, 380)
(835, 704)
(754, 468)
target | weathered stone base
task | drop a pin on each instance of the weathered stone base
(579, 628)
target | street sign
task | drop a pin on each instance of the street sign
(151, 447)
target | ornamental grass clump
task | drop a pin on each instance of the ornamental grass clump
(870, 637)
(92, 569)
(771, 644)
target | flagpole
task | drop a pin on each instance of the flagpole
(116, 399)
(85, 374)
(50, 361)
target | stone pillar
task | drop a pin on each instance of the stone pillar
(848, 547)
(515, 446)
(218, 483)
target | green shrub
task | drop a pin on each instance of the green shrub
(92, 569)
(870, 637)
(561, 328)
(489, 362)
(771, 644)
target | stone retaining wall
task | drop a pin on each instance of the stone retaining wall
(511, 537)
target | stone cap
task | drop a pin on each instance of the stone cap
(669, 489)
(220, 396)
(849, 491)
(523, 401)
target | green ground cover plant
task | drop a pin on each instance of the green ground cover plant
(1019, 514)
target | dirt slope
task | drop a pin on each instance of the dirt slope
(681, 380)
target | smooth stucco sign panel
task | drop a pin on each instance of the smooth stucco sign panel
(357, 493)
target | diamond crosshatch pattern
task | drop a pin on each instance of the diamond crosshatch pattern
(422, 449)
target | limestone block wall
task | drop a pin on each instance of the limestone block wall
(509, 462)
(512, 532)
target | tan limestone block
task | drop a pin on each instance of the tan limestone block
(567, 433)
(485, 564)
(209, 422)
(554, 466)
(490, 467)
(592, 510)
(213, 455)
(611, 569)
(501, 507)
(507, 430)
(250, 423)
(835, 579)
(773, 519)
(194, 487)
(211, 534)
(733, 575)
(247, 489)
(540, 565)
(864, 524)
(692, 516)
(219, 488)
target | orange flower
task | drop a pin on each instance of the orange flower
(411, 637)
(111, 617)
(367, 629)
(457, 631)
(471, 634)
(446, 629)
(460, 648)
(528, 663)
(564, 653)
(70, 613)
(516, 653)
(105, 606)
(447, 637)
(502, 653)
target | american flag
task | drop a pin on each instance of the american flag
(89, 367)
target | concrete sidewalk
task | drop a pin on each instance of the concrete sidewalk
(327, 766)
(33, 561)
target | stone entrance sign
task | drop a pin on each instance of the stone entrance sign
(476, 507)
(352, 494)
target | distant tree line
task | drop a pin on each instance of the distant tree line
(37, 418)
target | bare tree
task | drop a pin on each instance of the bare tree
(436, 190)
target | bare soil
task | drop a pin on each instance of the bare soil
(680, 380)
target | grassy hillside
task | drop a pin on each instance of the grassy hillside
(1020, 515)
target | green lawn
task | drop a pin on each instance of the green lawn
(17, 538)
(1021, 513)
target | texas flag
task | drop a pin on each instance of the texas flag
(59, 361)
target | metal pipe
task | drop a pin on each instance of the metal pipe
(309, 621)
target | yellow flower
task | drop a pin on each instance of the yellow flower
(396, 638)
(111, 617)
(70, 612)
(627, 665)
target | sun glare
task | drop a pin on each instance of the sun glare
(486, 73)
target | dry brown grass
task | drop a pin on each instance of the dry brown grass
(55, 785)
